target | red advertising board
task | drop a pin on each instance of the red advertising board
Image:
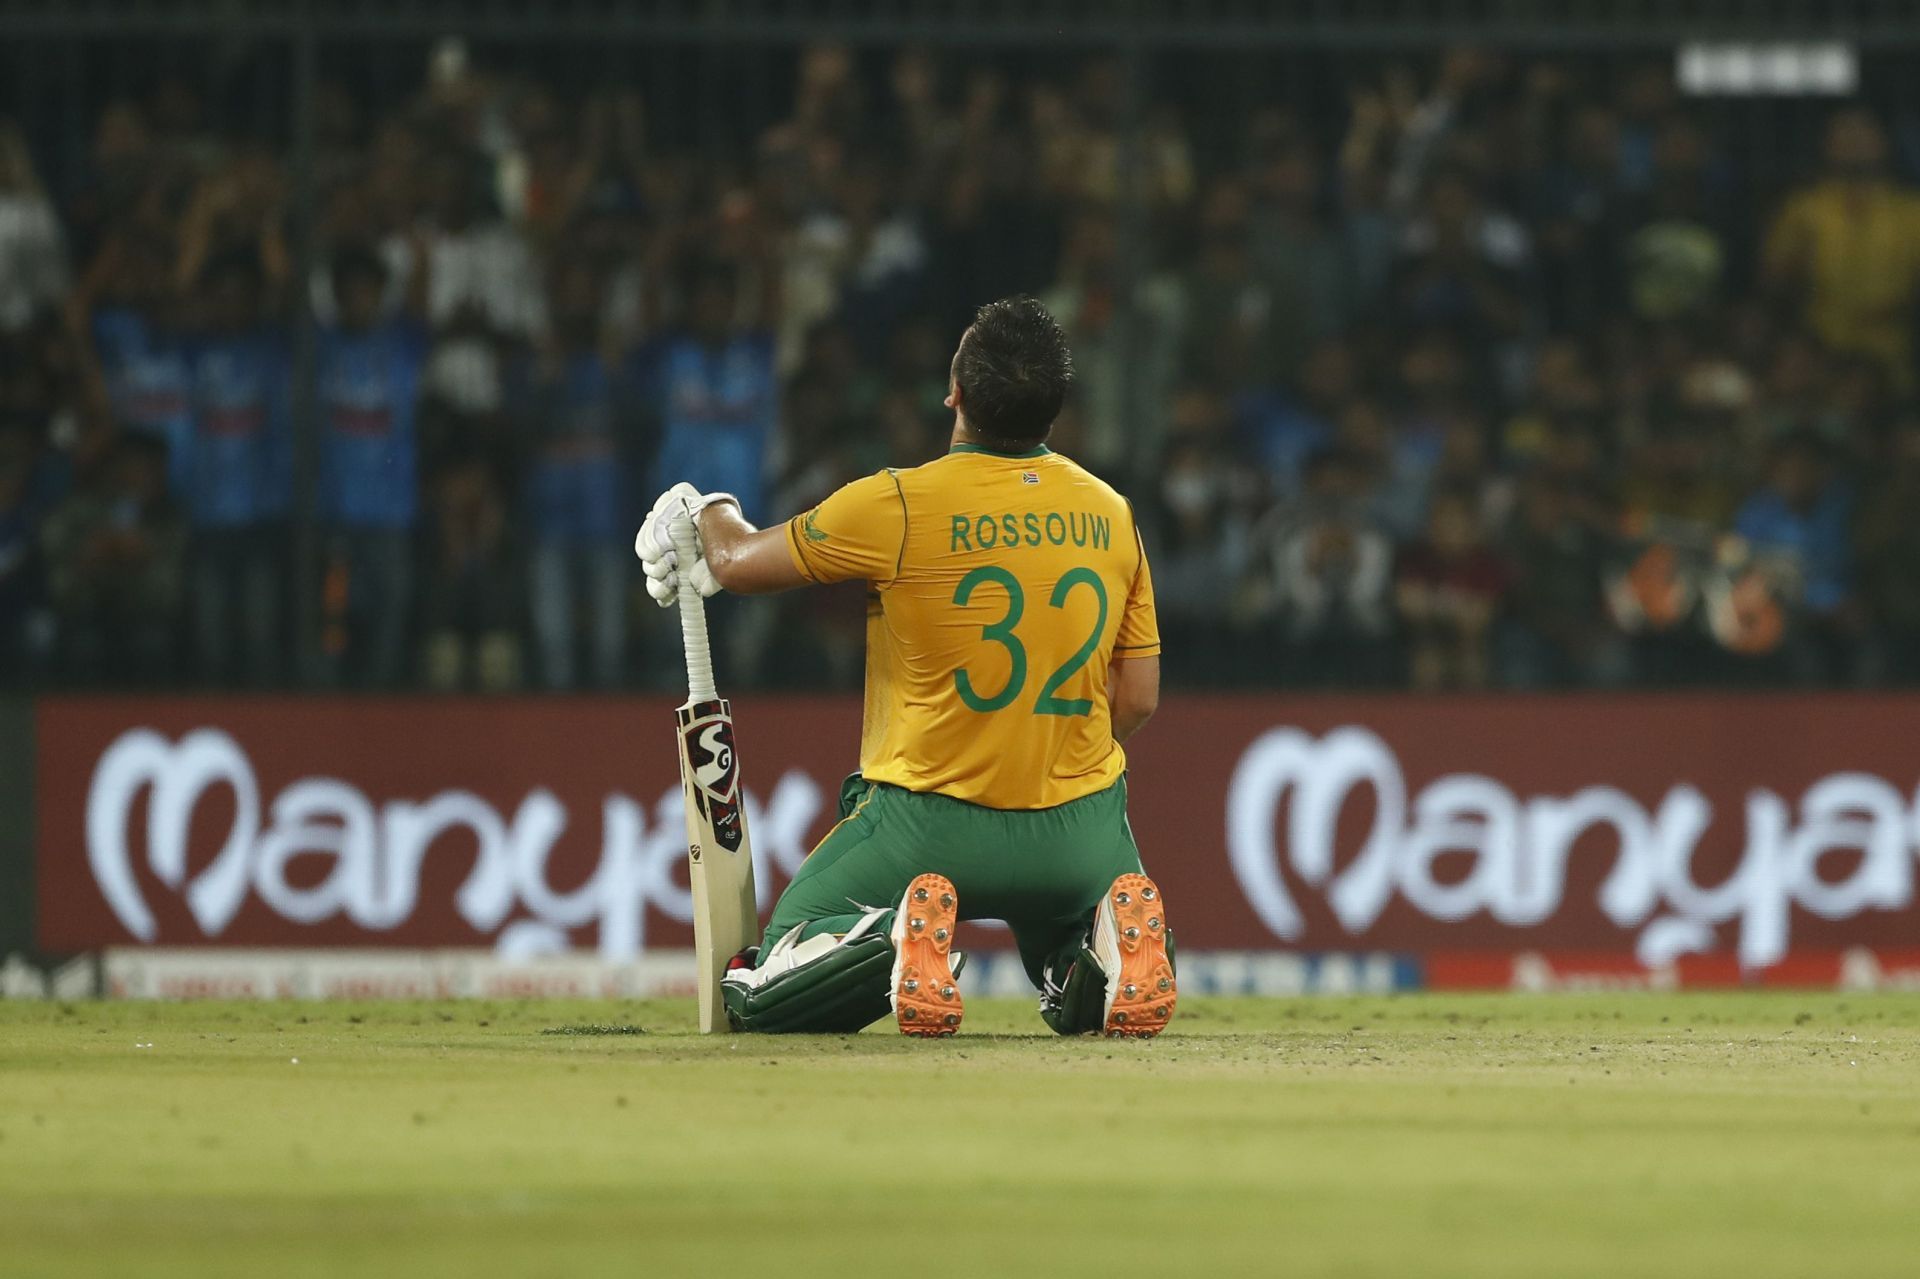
(1648, 828)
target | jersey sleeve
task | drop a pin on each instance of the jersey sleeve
(1139, 634)
(858, 533)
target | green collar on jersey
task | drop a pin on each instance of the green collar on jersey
(1041, 451)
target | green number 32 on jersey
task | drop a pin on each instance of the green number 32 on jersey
(1002, 633)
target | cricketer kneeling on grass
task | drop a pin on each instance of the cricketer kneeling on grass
(1011, 647)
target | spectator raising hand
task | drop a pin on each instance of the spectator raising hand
(33, 254)
(1447, 369)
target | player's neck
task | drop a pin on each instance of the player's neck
(965, 441)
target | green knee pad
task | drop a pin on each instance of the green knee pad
(1073, 1002)
(825, 985)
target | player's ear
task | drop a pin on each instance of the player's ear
(953, 394)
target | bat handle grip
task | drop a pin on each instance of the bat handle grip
(693, 615)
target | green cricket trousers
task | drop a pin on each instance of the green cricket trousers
(1041, 870)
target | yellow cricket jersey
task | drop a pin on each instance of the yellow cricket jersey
(1862, 253)
(1004, 587)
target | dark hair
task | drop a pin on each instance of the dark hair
(358, 261)
(1323, 458)
(1801, 442)
(1013, 369)
(1457, 493)
(145, 446)
(708, 273)
(237, 265)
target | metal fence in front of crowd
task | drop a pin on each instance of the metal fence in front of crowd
(1441, 346)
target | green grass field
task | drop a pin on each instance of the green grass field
(1418, 1135)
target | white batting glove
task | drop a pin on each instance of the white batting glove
(659, 559)
(663, 579)
(655, 537)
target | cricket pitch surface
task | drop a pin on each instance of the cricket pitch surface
(1741, 1134)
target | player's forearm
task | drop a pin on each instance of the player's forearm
(746, 560)
(1134, 695)
(1127, 723)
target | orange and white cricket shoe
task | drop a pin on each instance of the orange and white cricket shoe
(1130, 943)
(926, 999)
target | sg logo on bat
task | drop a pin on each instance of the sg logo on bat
(706, 732)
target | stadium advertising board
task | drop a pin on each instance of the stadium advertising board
(16, 826)
(1495, 840)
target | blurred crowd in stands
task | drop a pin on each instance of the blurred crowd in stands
(1507, 373)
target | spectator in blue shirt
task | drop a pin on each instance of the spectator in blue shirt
(369, 387)
(1282, 429)
(718, 394)
(139, 346)
(581, 414)
(239, 481)
(1804, 515)
(1800, 528)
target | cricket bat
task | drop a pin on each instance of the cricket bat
(719, 856)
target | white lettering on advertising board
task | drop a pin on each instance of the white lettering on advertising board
(1520, 846)
(1517, 849)
(377, 849)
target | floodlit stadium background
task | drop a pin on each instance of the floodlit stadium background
(1521, 413)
